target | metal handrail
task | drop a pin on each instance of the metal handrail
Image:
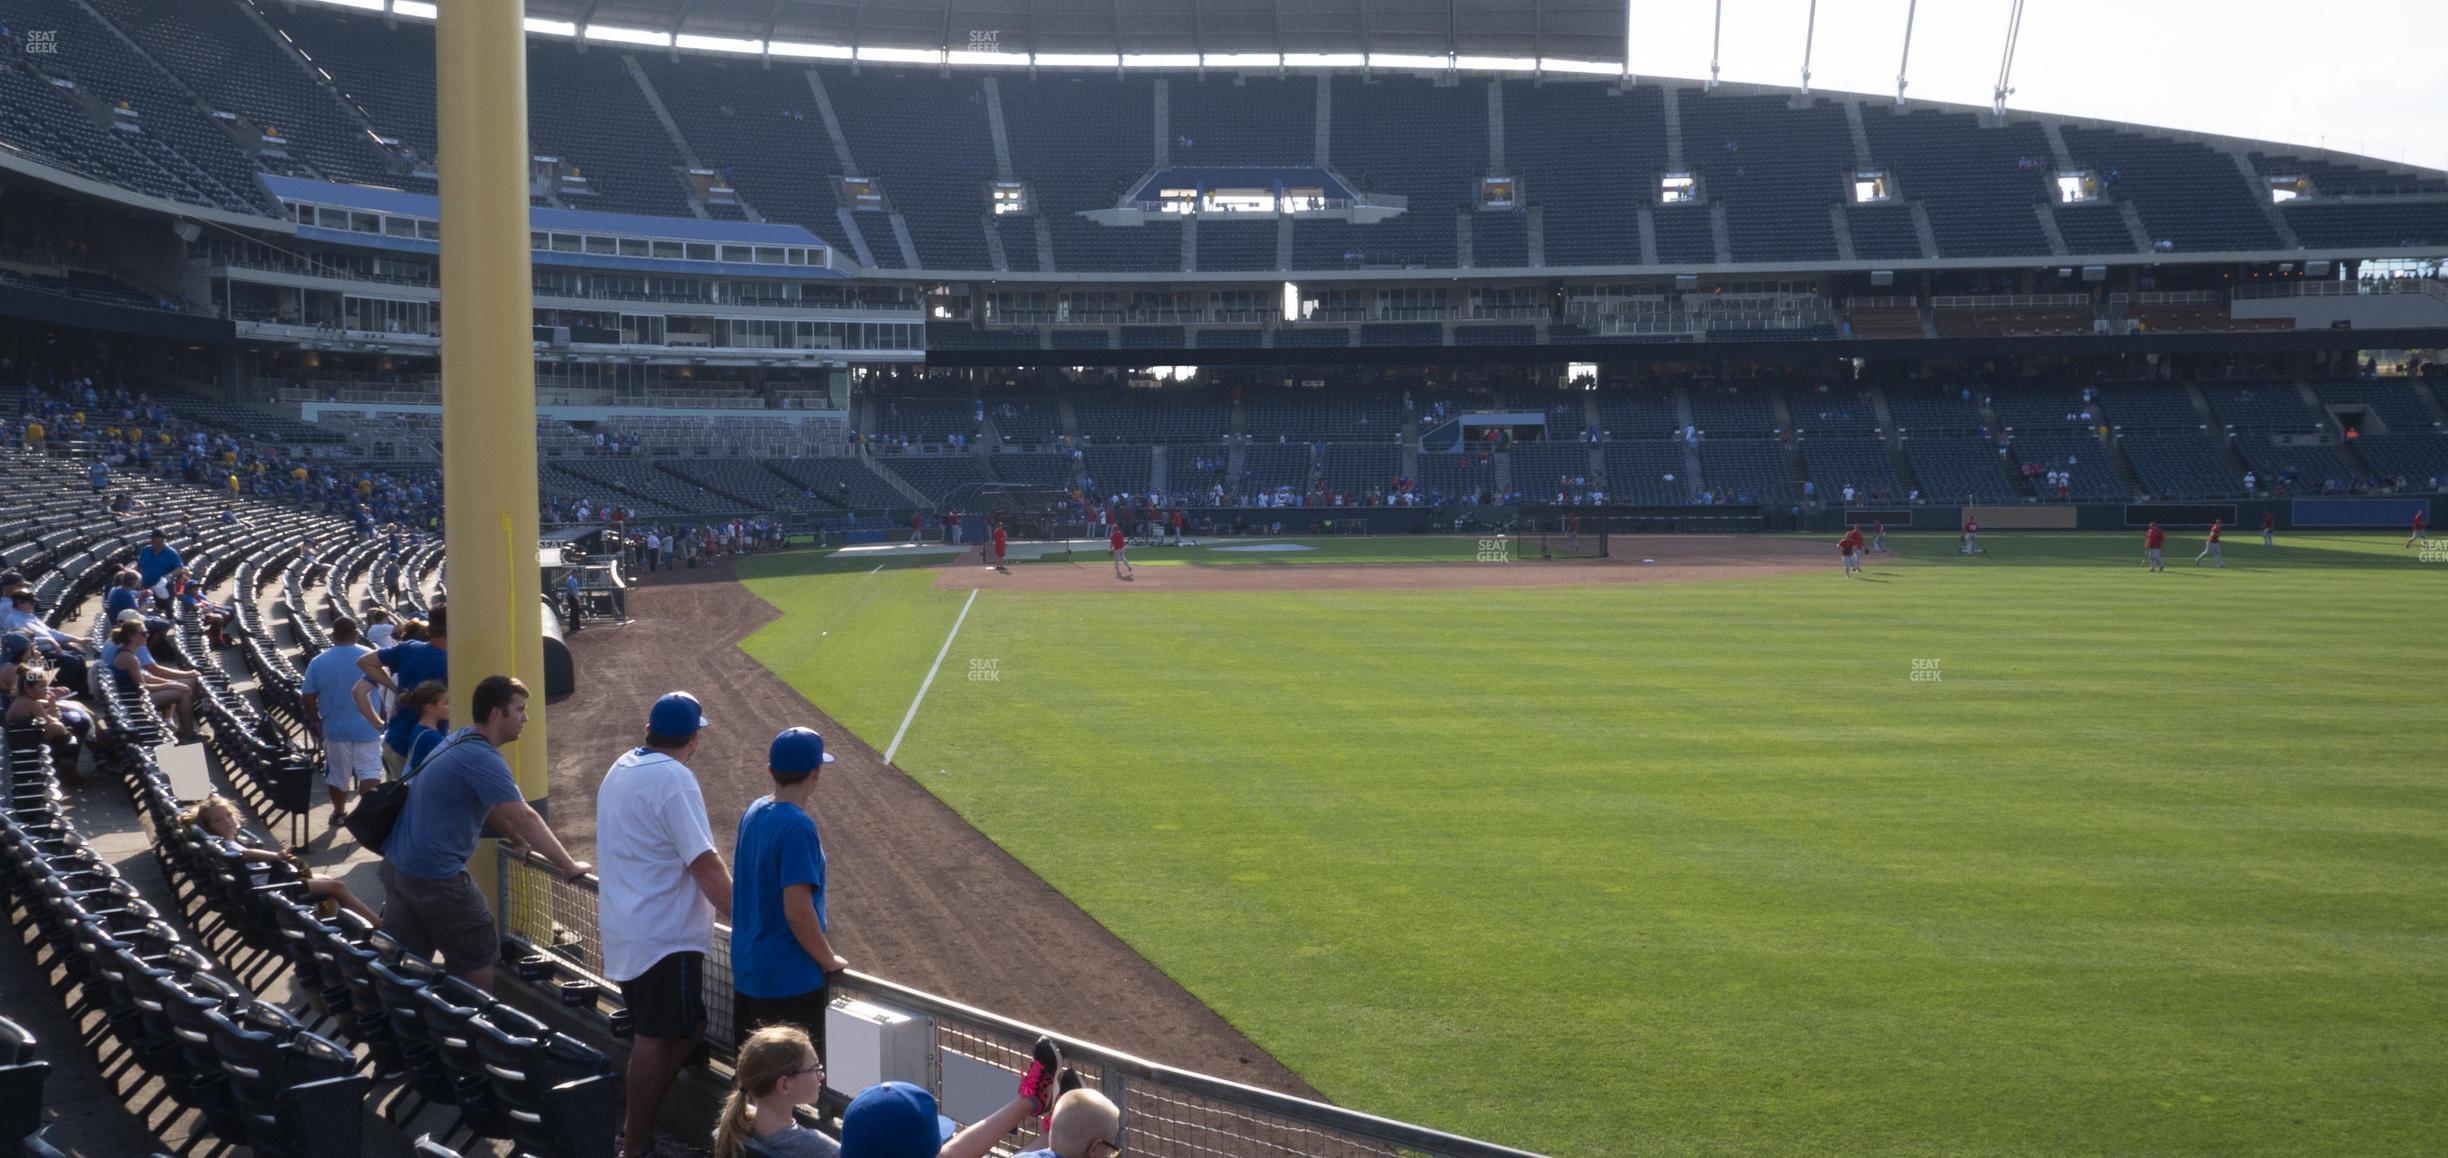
(523, 869)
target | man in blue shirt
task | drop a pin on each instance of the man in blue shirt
(430, 903)
(158, 558)
(352, 740)
(779, 953)
(400, 667)
(127, 593)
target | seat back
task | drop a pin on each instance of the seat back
(16, 1045)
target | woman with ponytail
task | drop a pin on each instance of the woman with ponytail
(777, 1069)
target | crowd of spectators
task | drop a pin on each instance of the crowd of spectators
(129, 432)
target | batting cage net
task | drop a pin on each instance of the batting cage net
(1028, 512)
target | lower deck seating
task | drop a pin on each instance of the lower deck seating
(937, 476)
(1862, 462)
(2311, 468)
(1647, 472)
(1947, 470)
(2080, 455)
(1117, 470)
(2418, 457)
(844, 482)
(2180, 466)
(1747, 470)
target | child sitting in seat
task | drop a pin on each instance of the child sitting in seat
(217, 819)
(35, 698)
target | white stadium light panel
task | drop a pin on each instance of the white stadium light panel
(987, 59)
(902, 55)
(617, 35)
(416, 8)
(1243, 60)
(815, 51)
(368, 5)
(1077, 60)
(719, 44)
(1406, 60)
(1497, 63)
(1160, 60)
(552, 27)
(1324, 59)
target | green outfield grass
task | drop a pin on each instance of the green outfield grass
(2138, 864)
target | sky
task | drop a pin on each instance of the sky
(2360, 76)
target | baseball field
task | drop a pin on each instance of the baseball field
(2028, 852)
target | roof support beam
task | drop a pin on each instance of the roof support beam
(1716, 42)
(2014, 32)
(1903, 65)
(1810, 32)
(679, 21)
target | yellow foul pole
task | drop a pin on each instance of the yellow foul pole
(488, 365)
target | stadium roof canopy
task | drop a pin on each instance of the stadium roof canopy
(1579, 30)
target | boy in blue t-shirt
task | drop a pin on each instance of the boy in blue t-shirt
(779, 954)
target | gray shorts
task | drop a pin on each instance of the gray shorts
(447, 916)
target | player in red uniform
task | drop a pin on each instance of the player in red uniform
(1850, 546)
(1181, 519)
(1971, 536)
(2422, 529)
(917, 525)
(2152, 541)
(2269, 529)
(1122, 564)
(998, 548)
(2210, 546)
(1878, 535)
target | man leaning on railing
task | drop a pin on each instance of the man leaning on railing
(431, 904)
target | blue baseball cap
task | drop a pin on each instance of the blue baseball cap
(894, 1120)
(797, 750)
(677, 715)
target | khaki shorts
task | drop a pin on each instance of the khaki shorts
(347, 763)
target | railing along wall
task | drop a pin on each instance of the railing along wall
(1166, 1112)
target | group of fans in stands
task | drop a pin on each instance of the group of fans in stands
(126, 431)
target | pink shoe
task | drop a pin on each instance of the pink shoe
(1037, 1085)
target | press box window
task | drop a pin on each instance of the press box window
(2077, 188)
(1009, 197)
(1678, 189)
(2285, 189)
(1873, 187)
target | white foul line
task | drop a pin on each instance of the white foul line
(930, 679)
(878, 567)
